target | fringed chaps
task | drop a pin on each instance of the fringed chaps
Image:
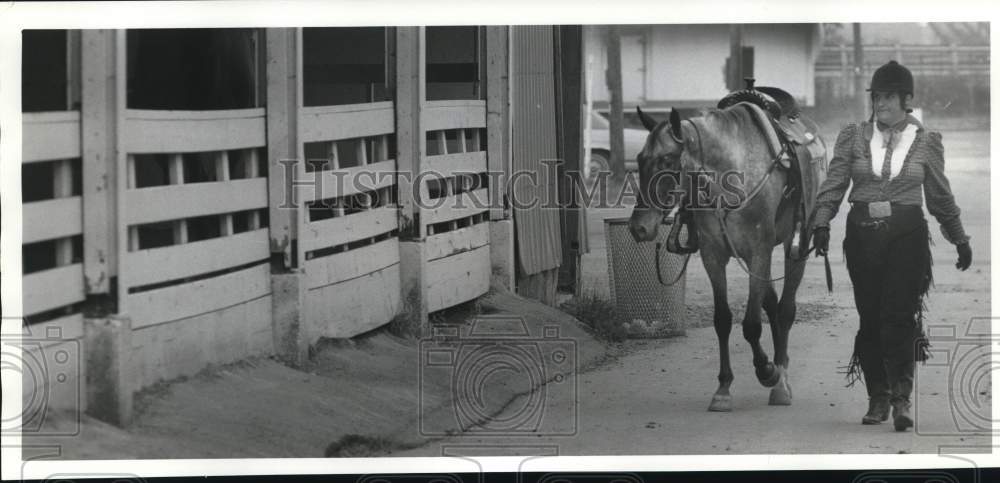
(890, 267)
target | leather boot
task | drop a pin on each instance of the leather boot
(901, 382)
(901, 418)
(878, 410)
(898, 343)
(873, 368)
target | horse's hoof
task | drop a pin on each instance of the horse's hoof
(721, 403)
(781, 394)
(769, 375)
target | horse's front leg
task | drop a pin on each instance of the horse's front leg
(781, 394)
(759, 266)
(714, 258)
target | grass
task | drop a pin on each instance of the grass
(599, 315)
(406, 324)
(359, 446)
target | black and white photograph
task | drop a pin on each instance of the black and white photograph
(472, 240)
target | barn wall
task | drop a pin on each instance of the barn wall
(784, 57)
(536, 220)
(685, 63)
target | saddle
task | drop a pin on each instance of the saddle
(794, 140)
(778, 117)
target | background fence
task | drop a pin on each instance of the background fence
(950, 78)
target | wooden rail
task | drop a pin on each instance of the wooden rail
(926, 60)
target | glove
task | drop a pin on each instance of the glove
(821, 240)
(964, 256)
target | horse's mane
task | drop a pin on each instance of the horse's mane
(722, 129)
(734, 117)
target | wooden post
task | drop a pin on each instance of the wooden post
(498, 156)
(74, 39)
(569, 95)
(62, 187)
(735, 71)
(98, 124)
(411, 147)
(252, 167)
(333, 163)
(222, 175)
(120, 164)
(410, 139)
(290, 330)
(613, 43)
(954, 59)
(282, 140)
(859, 74)
(846, 80)
(110, 374)
(177, 178)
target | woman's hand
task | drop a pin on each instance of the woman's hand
(964, 256)
(821, 240)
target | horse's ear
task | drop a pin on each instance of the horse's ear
(675, 124)
(647, 121)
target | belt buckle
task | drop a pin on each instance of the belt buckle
(879, 209)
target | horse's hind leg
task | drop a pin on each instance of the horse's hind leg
(781, 394)
(715, 265)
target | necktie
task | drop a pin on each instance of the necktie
(889, 138)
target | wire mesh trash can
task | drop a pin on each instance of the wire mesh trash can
(645, 306)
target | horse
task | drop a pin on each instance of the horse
(761, 217)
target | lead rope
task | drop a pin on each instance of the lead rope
(659, 273)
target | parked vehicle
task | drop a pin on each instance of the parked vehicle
(600, 145)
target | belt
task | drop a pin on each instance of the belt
(902, 216)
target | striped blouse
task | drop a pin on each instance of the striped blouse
(923, 167)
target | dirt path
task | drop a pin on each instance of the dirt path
(653, 400)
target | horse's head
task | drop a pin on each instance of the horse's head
(659, 175)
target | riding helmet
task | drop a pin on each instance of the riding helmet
(892, 77)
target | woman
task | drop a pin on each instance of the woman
(893, 163)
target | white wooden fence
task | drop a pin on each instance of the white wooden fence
(190, 197)
(455, 191)
(195, 302)
(349, 242)
(53, 294)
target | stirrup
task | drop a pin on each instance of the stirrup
(674, 245)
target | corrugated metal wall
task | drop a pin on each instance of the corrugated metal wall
(534, 139)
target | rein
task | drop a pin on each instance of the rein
(659, 273)
(721, 214)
